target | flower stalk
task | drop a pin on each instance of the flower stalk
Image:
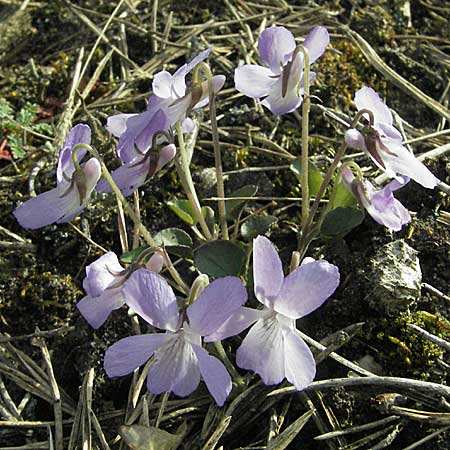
(128, 208)
(184, 172)
(307, 232)
(205, 69)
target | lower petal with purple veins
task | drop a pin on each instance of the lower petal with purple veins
(262, 351)
(175, 368)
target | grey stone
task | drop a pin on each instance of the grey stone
(396, 278)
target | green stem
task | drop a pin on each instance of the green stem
(227, 363)
(184, 173)
(128, 209)
(216, 145)
(307, 232)
(305, 135)
(336, 183)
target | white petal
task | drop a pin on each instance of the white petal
(253, 81)
(216, 377)
(367, 98)
(299, 361)
(262, 351)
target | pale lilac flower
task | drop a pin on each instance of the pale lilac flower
(104, 282)
(132, 175)
(384, 143)
(380, 204)
(281, 83)
(179, 358)
(170, 103)
(73, 188)
(272, 347)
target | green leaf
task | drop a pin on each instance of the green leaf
(173, 237)
(130, 256)
(220, 259)
(27, 114)
(256, 225)
(15, 143)
(175, 241)
(343, 197)
(6, 110)
(315, 177)
(234, 207)
(184, 210)
(340, 221)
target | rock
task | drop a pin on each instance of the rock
(396, 278)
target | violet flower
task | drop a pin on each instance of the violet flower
(170, 102)
(179, 358)
(380, 204)
(73, 187)
(383, 142)
(104, 282)
(272, 348)
(281, 83)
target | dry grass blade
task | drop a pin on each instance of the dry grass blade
(86, 433)
(357, 428)
(288, 435)
(429, 437)
(55, 393)
(75, 432)
(218, 432)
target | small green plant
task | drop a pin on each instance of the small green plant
(18, 128)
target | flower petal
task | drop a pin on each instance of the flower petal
(61, 204)
(166, 154)
(217, 83)
(79, 134)
(276, 45)
(367, 98)
(162, 84)
(403, 162)
(218, 301)
(101, 274)
(131, 352)
(354, 139)
(188, 125)
(262, 351)
(155, 263)
(216, 377)
(184, 70)
(128, 177)
(306, 288)
(152, 298)
(299, 362)
(267, 271)
(253, 81)
(239, 321)
(139, 133)
(385, 208)
(175, 368)
(316, 42)
(97, 309)
(279, 104)
(92, 171)
(117, 124)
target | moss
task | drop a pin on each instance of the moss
(343, 70)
